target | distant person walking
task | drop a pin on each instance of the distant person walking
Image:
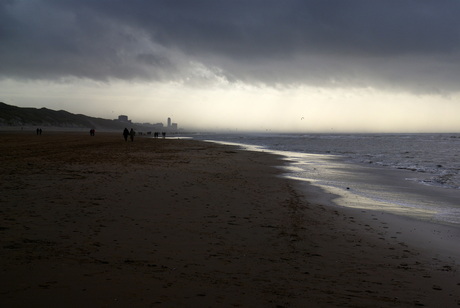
(125, 134)
(92, 132)
(132, 133)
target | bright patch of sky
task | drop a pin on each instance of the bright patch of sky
(239, 107)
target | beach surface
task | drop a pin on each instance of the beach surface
(100, 222)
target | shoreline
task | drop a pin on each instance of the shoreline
(99, 222)
(424, 233)
(436, 238)
(443, 235)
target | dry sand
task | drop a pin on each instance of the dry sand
(99, 222)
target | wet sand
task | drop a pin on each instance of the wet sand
(100, 222)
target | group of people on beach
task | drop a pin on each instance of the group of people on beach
(131, 133)
(156, 135)
(126, 133)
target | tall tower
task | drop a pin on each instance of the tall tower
(169, 122)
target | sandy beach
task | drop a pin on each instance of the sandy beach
(100, 222)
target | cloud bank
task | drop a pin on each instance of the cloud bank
(404, 45)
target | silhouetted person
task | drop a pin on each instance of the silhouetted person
(132, 133)
(92, 132)
(38, 131)
(164, 135)
(125, 134)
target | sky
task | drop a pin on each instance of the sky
(238, 65)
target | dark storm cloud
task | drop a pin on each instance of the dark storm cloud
(388, 43)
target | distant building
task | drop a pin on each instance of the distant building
(158, 126)
(123, 118)
(169, 122)
(174, 126)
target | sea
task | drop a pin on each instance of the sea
(415, 175)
